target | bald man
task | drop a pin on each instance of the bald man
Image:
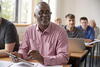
(45, 41)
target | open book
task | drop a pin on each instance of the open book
(23, 64)
(95, 41)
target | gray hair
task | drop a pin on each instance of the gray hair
(40, 4)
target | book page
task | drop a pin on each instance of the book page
(23, 64)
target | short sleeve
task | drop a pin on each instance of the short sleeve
(11, 34)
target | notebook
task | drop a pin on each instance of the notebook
(76, 45)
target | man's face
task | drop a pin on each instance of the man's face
(70, 22)
(58, 22)
(84, 23)
(43, 15)
(92, 23)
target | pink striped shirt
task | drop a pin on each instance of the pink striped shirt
(52, 44)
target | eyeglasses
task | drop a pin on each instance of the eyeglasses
(47, 12)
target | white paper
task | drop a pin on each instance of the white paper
(11, 64)
(55, 66)
(5, 63)
(92, 42)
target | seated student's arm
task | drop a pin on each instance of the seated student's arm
(24, 46)
(80, 34)
(10, 40)
(62, 53)
(23, 49)
(88, 40)
(91, 36)
(8, 48)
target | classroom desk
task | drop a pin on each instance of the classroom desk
(8, 59)
(77, 58)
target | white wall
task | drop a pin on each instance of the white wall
(21, 32)
(53, 7)
(88, 8)
(59, 8)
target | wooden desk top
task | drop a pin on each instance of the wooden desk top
(8, 59)
(79, 55)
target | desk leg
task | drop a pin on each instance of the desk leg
(85, 61)
(90, 57)
(97, 53)
(93, 56)
(75, 62)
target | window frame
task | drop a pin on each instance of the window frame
(16, 17)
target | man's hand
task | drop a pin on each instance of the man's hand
(14, 56)
(35, 55)
(87, 40)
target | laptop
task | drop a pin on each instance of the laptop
(76, 45)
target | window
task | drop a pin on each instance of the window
(25, 11)
(17, 11)
(8, 11)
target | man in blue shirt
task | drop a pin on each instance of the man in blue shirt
(88, 31)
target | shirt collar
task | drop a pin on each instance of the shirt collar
(46, 30)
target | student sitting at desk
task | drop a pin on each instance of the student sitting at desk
(48, 41)
(73, 32)
(89, 33)
(92, 23)
(8, 37)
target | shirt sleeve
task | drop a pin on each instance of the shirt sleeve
(81, 34)
(92, 34)
(62, 56)
(24, 46)
(11, 34)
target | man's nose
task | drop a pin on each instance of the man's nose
(72, 22)
(44, 14)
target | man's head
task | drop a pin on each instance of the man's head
(70, 20)
(58, 21)
(42, 13)
(84, 22)
(92, 23)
